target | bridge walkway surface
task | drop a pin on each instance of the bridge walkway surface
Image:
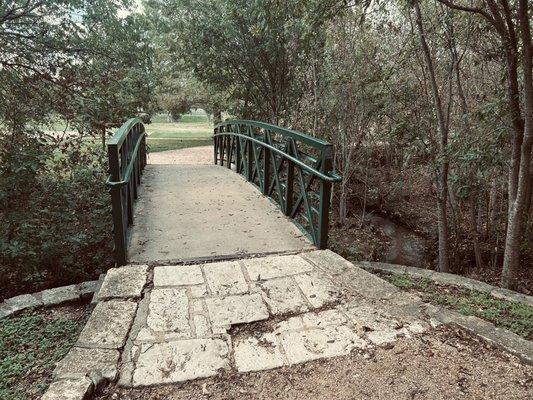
(179, 322)
(190, 209)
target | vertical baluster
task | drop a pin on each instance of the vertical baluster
(116, 205)
(266, 165)
(215, 145)
(289, 189)
(249, 155)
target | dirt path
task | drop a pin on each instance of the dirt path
(201, 155)
(445, 365)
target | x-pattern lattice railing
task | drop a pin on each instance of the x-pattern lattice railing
(292, 168)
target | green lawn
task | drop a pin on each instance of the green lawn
(190, 131)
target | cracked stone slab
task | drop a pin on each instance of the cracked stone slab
(236, 309)
(124, 282)
(318, 290)
(351, 276)
(178, 275)
(313, 344)
(276, 267)
(80, 362)
(69, 389)
(180, 361)
(108, 324)
(283, 296)
(258, 353)
(169, 310)
(225, 278)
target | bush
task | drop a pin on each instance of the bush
(55, 210)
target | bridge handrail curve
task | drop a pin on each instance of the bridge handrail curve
(292, 168)
(333, 177)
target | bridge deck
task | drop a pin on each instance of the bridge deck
(189, 210)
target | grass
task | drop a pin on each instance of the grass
(191, 130)
(30, 345)
(516, 317)
(175, 144)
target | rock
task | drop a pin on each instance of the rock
(60, 295)
(108, 324)
(236, 309)
(276, 267)
(6, 310)
(69, 389)
(178, 275)
(225, 278)
(180, 361)
(283, 295)
(22, 302)
(124, 282)
(88, 288)
(82, 361)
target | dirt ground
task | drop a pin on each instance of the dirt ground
(445, 364)
(192, 155)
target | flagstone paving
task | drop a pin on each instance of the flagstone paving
(176, 323)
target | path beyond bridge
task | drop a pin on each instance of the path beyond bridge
(190, 209)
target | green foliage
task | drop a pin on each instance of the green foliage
(516, 317)
(30, 345)
(55, 211)
(254, 56)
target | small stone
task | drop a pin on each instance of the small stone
(108, 324)
(69, 389)
(283, 296)
(180, 361)
(275, 267)
(237, 309)
(313, 344)
(88, 288)
(60, 295)
(318, 290)
(5, 310)
(123, 282)
(225, 278)
(22, 302)
(178, 275)
(169, 310)
(82, 361)
(257, 354)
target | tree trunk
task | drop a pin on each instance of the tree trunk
(515, 227)
(442, 180)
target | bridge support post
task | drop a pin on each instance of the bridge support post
(266, 171)
(325, 198)
(119, 230)
(289, 189)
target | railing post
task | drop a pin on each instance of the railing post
(215, 145)
(266, 170)
(119, 231)
(289, 189)
(325, 198)
(238, 155)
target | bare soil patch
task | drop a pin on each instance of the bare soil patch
(444, 364)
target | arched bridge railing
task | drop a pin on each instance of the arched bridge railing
(126, 151)
(292, 168)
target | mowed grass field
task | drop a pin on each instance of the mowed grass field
(189, 131)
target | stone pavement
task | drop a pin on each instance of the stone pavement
(175, 323)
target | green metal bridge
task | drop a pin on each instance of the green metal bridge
(191, 212)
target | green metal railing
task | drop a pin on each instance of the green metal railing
(292, 168)
(126, 151)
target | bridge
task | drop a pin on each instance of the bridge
(223, 267)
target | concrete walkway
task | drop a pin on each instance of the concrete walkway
(193, 210)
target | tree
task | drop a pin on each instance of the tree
(511, 21)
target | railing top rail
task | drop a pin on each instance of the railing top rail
(310, 140)
(122, 132)
(330, 176)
